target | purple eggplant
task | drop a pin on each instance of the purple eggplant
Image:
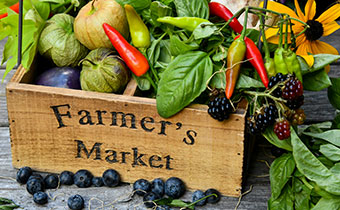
(65, 77)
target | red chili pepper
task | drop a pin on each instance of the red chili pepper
(255, 57)
(14, 7)
(133, 58)
(223, 12)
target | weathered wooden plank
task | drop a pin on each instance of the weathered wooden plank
(256, 199)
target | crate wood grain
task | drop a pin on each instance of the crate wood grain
(55, 129)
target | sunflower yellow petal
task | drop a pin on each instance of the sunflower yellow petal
(309, 59)
(329, 28)
(327, 68)
(299, 11)
(280, 8)
(310, 9)
(304, 48)
(330, 15)
(319, 47)
(300, 39)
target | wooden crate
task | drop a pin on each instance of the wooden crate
(56, 129)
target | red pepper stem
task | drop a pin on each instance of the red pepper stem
(243, 33)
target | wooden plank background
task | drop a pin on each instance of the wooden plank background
(317, 109)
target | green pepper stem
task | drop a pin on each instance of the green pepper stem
(280, 32)
(236, 15)
(148, 77)
(265, 42)
(286, 33)
(69, 9)
(245, 22)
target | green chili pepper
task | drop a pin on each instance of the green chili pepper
(280, 64)
(270, 67)
(292, 62)
(139, 32)
(187, 23)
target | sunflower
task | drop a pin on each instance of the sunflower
(308, 43)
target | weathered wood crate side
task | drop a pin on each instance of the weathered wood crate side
(56, 129)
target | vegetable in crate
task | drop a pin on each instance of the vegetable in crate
(58, 42)
(65, 77)
(103, 72)
(88, 23)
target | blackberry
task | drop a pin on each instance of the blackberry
(298, 117)
(292, 89)
(261, 122)
(214, 198)
(220, 108)
(279, 77)
(198, 195)
(142, 186)
(75, 202)
(251, 125)
(296, 103)
(282, 129)
(270, 113)
(174, 187)
(66, 178)
(40, 198)
(23, 175)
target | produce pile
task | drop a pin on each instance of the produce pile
(182, 52)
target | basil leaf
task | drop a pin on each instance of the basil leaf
(336, 170)
(284, 201)
(327, 204)
(312, 168)
(336, 122)
(142, 82)
(137, 4)
(280, 172)
(158, 9)
(218, 81)
(331, 136)
(334, 93)
(192, 8)
(245, 82)
(272, 138)
(204, 30)
(183, 80)
(320, 61)
(177, 46)
(331, 152)
(316, 81)
(301, 195)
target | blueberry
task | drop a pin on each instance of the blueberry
(23, 174)
(75, 202)
(34, 185)
(174, 187)
(141, 186)
(157, 186)
(40, 198)
(197, 195)
(83, 178)
(97, 181)
(51, 181)
(36, 176)
(148, 198)
(111, 178)
(213, 199)
(66, 178)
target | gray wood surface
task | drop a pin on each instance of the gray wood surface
(317, 109)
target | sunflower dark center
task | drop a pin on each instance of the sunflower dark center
(315, 30)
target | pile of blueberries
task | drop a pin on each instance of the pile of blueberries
(173, 187)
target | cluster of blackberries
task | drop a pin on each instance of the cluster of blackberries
(173, 188)
(258, 122)
(220, 108)
(36, 184)
(288, 88)
(282, 129)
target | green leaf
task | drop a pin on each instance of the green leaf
(5, 201)
(284, 201)
(316, 81)
(192, 8)
(184, 80)
(280, 172)
(138, 5)
(158, 9)
(177, 46)
(331, 152)
(334, 93)
(204, 30)
(336, 170)
(7, 3)
(320, 61)
(301, 195)
(327, 204)
(331, 136)
(336, 122)
(312, 168)
(245, 82)
(272, 138)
